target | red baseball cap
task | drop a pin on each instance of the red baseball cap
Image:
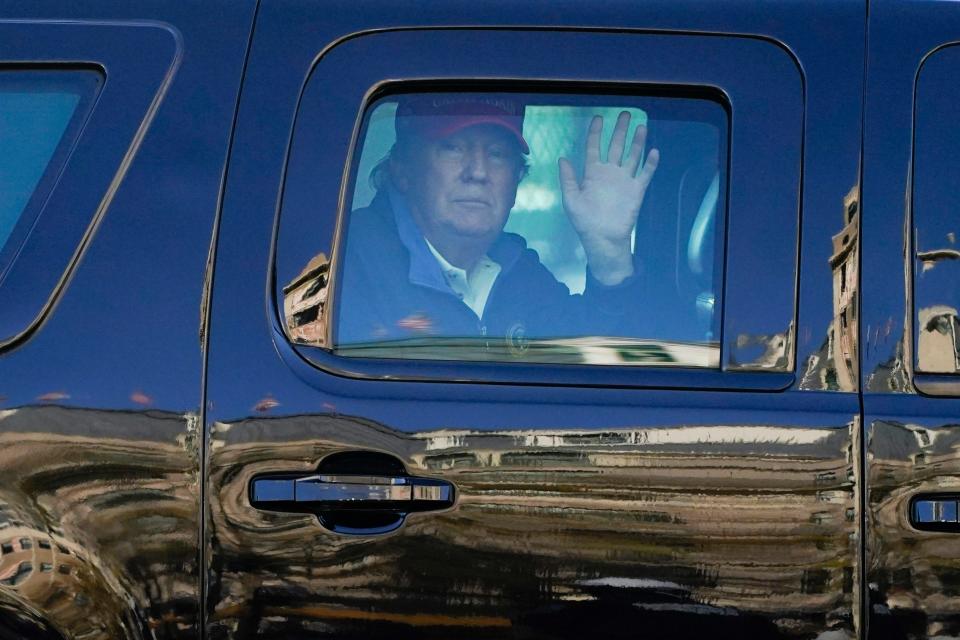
(443, 114)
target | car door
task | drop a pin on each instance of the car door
(910, 319)
(680, 480)
(114, 126)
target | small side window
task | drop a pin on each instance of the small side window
(500, 226)
(41, 114)
(936, 216)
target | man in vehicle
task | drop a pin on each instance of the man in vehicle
(429, 256)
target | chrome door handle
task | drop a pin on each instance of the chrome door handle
(323, 491)
(935, 512)
(375, 500)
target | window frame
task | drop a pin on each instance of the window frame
(936, 384)
(61, 153)
(132, 86)
(696, 75)
(388, 91)
(943, 383)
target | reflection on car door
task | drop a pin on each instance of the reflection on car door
(909, 321)
(579, 510)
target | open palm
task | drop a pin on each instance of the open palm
(603, 207)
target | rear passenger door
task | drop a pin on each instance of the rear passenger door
(374, 475)
(115, 125)
(910, 366)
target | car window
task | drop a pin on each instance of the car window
(554, 228)
(936, 209)
(40, 114)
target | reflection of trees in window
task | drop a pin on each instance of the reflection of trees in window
(555, 132)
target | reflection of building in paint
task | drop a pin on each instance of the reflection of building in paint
(757, 519)
(914, 574)
(304, 301)
(833, 366)
(40, 568)
(938, 349)
(98, 532)
(929, 259)
(844, 263)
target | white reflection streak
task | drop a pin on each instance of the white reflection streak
(535, 197)
(449, 439)
(629, 583)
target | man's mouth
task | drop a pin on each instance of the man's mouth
(472, 202)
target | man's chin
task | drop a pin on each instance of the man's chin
(475, 232)
(475, 226)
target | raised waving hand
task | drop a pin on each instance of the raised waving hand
(603, 207)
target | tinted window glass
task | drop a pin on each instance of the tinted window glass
(40, 113)
(532, 228)
(936, 207)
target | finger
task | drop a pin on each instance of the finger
(593, 140)
(568, 179)
(649, 167)
(619, 138)
(636, 149)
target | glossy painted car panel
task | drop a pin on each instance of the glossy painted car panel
(911, 419)
(578, 504)
(99, 409)
(582, 512)
(746, 530)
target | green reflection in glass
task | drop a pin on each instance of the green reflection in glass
(554, 132)
(379, 140)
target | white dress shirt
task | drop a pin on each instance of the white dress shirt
(473, 286)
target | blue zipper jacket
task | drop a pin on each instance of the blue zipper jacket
(392, 288)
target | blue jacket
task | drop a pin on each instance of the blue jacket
(392, 288)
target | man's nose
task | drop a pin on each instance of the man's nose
(476, 165)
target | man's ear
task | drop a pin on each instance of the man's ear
(523, 168)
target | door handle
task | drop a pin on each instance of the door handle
(321, 491)
(935, 512)
(365, 503)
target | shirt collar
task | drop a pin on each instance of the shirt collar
(445, 266)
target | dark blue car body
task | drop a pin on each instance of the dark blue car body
(146, 380)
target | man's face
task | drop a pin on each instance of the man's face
(463, 185)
